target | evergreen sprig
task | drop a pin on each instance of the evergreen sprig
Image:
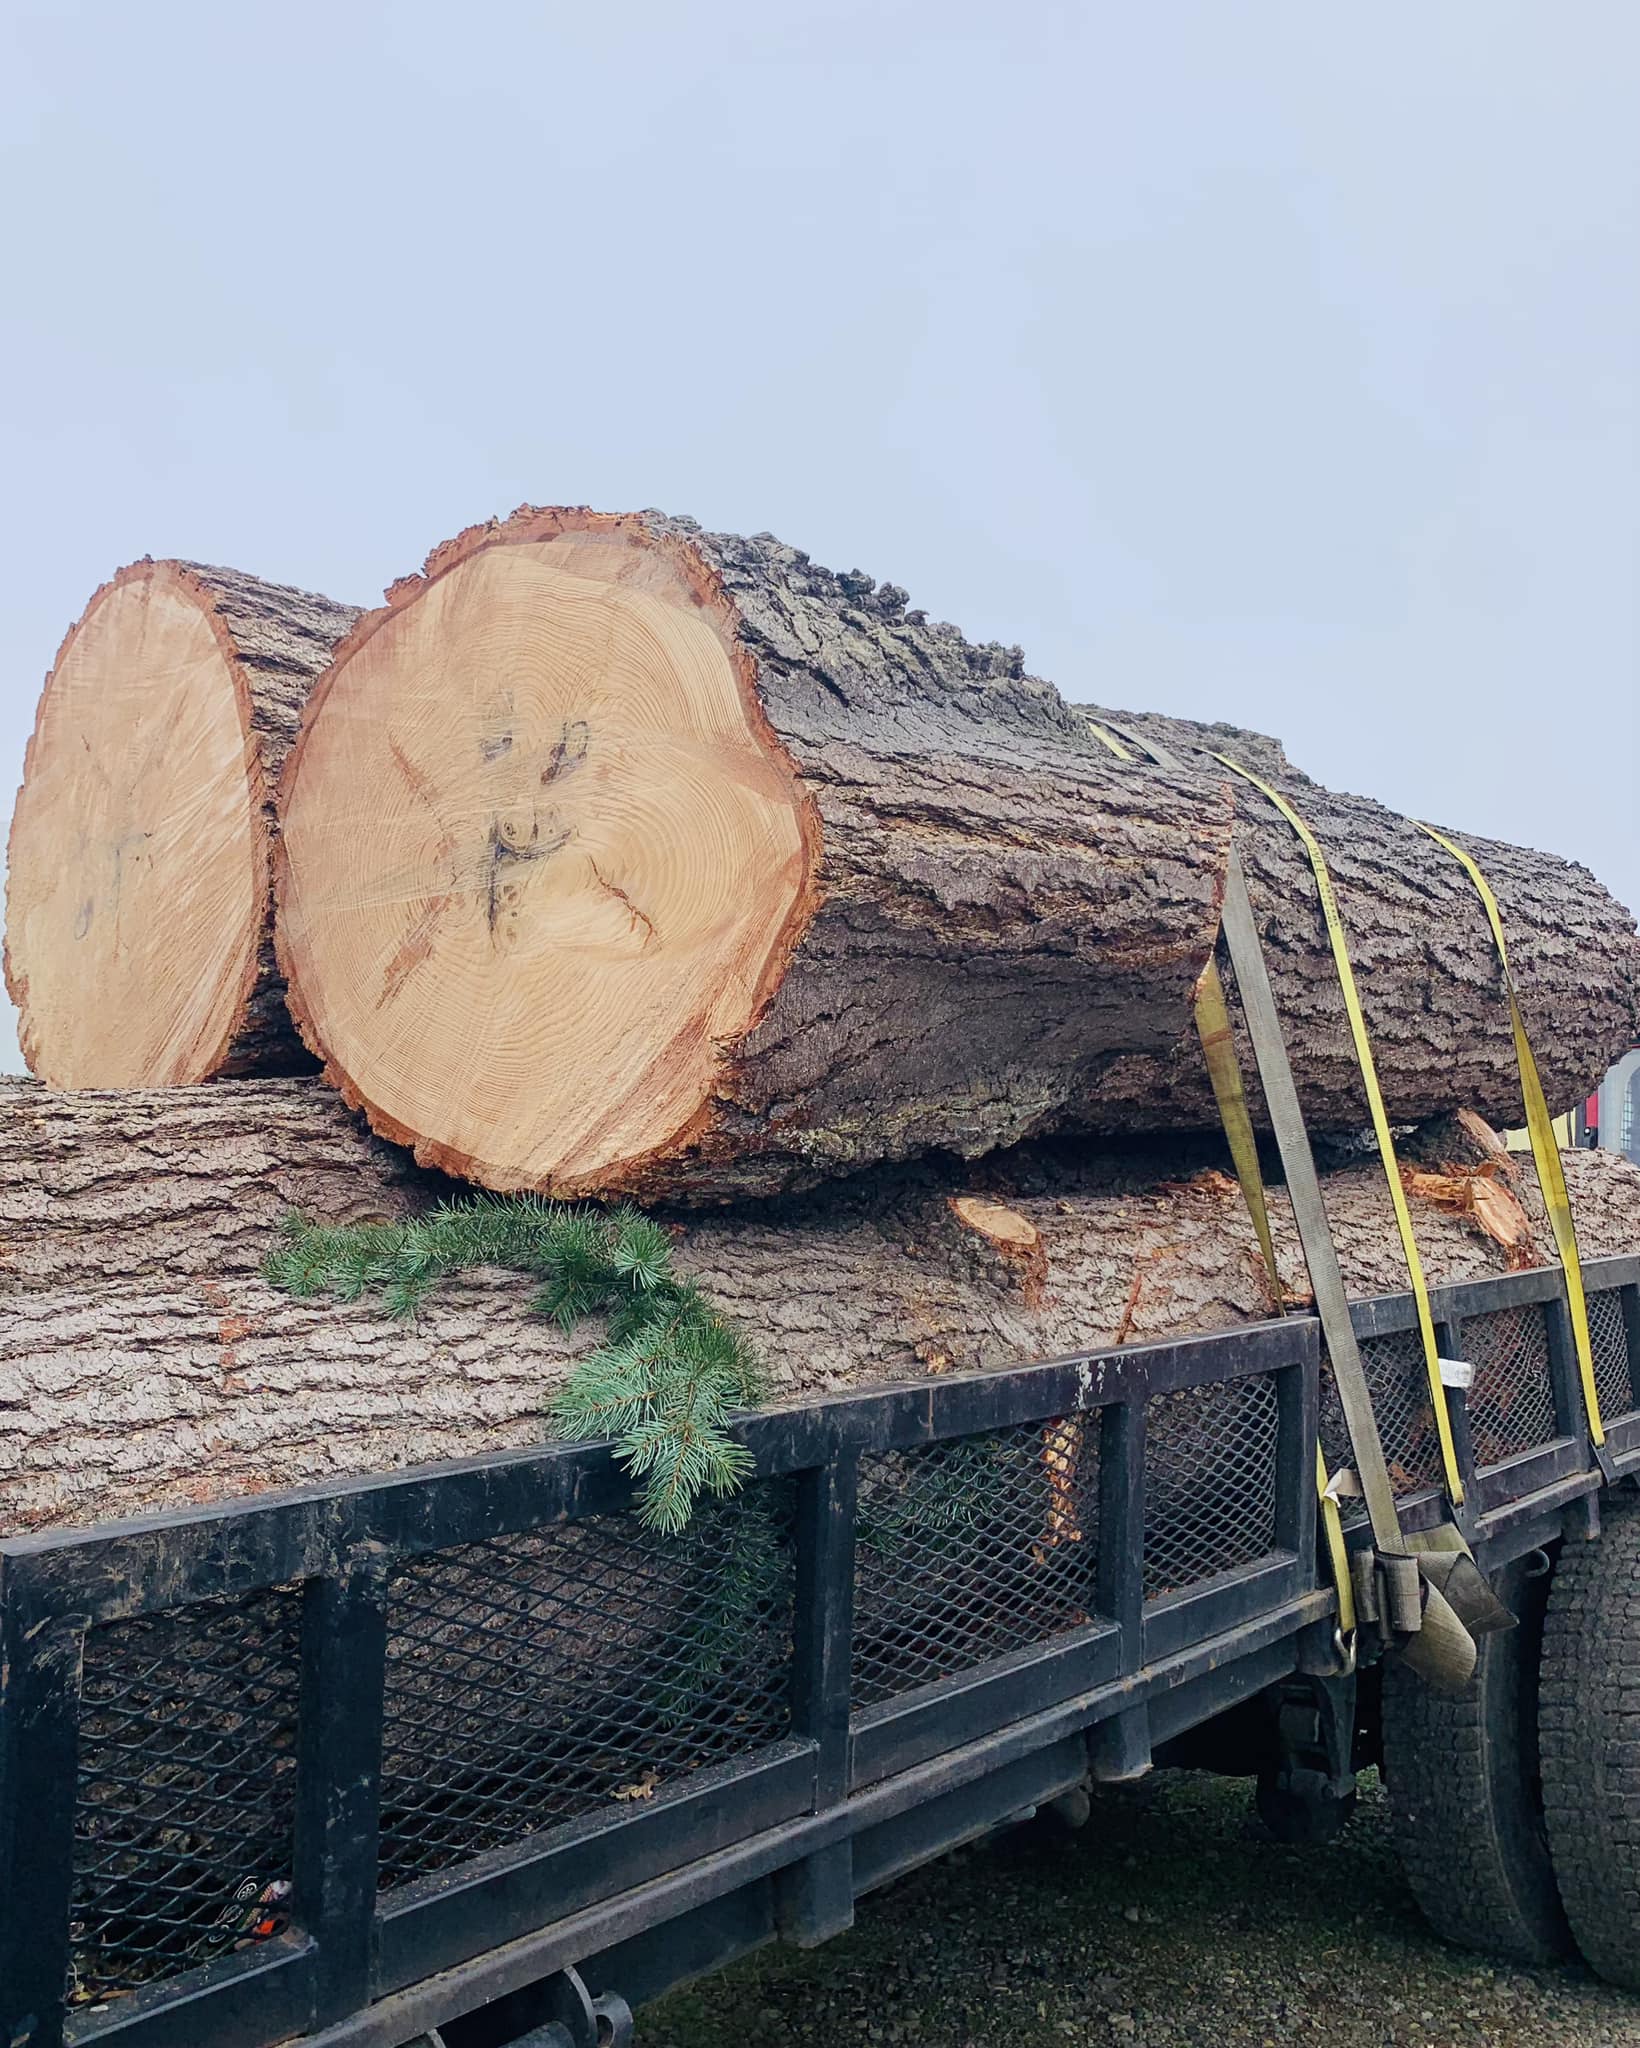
(666, 1379)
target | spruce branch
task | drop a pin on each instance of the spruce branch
(669, 1375)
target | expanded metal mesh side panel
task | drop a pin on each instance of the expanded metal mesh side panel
(1398, 1382)
(971, 1549)
(185, 1798)
(1210, 1481)
(535, 1678)
(1512, 1397)
(1609, 1344)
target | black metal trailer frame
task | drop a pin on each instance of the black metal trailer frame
(380, 1755)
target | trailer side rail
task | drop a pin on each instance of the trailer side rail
(334, 1761)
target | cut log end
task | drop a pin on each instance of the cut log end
(590, 855)
(138, 859)
(1013, 1237)
(999, 1225)
(555, 911)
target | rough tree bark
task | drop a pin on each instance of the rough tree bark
(619, 856)
(131, 1377)
(99, 1186)
(1421, 948)
(139, 943)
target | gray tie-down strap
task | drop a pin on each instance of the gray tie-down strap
(1427, 1596)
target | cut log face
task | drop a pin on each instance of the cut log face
(617, 857)
(545, 854)
(139, 778)
(138, 942)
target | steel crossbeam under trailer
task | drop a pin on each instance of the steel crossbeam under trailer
(465, 1754)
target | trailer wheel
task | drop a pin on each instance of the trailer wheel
(1466, 1802)
(1590, 1722)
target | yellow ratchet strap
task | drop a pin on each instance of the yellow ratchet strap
(1224, 1071)
(1545, 1151)
(1338, 1556)
(1108, 739)
(1229, 1092)
(1380, 1117)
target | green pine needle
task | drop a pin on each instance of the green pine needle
(664, 1384)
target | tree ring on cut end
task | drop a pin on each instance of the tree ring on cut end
(138, 860)
(543, 858)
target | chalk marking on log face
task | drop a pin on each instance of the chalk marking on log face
(495, 737)
(503, 852)
(569, 750)
(418, 783)
(413, 950)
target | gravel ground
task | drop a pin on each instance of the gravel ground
(1170, 1921)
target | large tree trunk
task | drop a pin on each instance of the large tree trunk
(144, 1362)
(622, 857)
(1421, 948)
(123, 1184)
(139, 943)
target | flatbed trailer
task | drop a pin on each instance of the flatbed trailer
(464, 1755)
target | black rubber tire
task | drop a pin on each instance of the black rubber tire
(1589, 1719)
(1307, 1810)
(1466, 1801)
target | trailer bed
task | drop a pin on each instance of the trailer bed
(351, 1763)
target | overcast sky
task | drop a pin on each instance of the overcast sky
(1268, 362)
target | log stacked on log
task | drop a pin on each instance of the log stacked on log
(614, 857)
(139, 942)
(144, 1362)
(619, 857)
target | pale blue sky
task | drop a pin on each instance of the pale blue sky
(1268, 362)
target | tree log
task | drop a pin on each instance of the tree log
(139, 945)
(1421, 948)
(616, 857)
(138, 1184)
(621, 857)
(143, 1362)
